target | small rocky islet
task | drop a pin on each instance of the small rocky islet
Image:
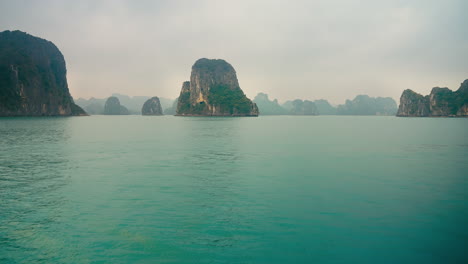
(152, 107)
(33, 83)
(113, 107)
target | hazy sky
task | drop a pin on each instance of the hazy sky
(289, 49)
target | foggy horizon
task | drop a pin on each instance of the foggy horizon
(331, 50)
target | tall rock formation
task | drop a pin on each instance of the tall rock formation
(413, 104)
(33, 78)
(214, 90)
(440, 102)
(152, 107)
(113, 107)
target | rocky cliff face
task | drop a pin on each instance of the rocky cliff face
(214, 90)
(463, 111)
(113, 107)
(439, 103)
(152, 107)
(33, 78)
(413, 104)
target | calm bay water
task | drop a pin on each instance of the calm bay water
(326, 189)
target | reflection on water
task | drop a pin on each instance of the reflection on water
(136, 189)
(212, 147)
(33, 166)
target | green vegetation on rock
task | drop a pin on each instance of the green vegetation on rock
(214, 90)
(440, 102)
(33, 78)
(229, 100)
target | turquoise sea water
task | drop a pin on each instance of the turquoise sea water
(284, 189)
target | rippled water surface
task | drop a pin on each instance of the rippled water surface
(326, 189)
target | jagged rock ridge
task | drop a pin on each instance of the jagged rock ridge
(440, 102)
(33, 78)
(214, 90)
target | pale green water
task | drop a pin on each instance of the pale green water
(327, 189)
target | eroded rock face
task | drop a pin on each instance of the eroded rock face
(152, 107)
(463, 111)
(113, 107)
(214, 90)
(439, 103)
(413, 104)
(33, 78)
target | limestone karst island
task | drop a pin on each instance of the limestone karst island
(214, 90)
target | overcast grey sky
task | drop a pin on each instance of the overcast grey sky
(332, 49)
